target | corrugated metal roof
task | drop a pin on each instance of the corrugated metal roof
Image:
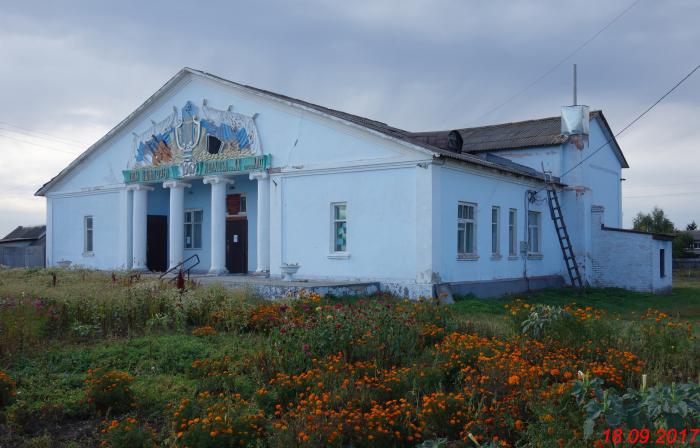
(25, 233)
(519, 134)
(515, 135)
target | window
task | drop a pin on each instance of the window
(696, 245)
(236, 204)
(193, 229)
(533, 232)
(466, 229)
(87, 232)
(512, 232)
(662, 263)
(495, 230)
(340, 227)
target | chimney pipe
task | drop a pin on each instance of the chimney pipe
(575, 99)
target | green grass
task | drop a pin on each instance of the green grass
(683, 302)
(51, 411)
(51, 382)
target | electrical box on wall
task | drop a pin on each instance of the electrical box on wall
(523, 247)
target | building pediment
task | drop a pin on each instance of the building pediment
(195, 141)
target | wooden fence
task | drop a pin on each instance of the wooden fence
(22, 257)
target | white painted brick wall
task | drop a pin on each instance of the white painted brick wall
(627, 260)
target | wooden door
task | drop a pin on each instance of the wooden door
(157, 243)
(237, 246)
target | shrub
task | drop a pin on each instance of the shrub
(109, 390)
(206, 330)
(224, 420)
(390, 332)
(219, 375)
(127, 433)
(668, 345)
(23, 324)
(675, 406)
(8, 390)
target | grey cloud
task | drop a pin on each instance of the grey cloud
(76, 68)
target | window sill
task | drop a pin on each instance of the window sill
(339, 255)
(535, 256)
(467, 257)
(88, 254)
(513, 257)
(496, 257)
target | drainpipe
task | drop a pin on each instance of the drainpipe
(525, 233)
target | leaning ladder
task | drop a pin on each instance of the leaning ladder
(563, 234)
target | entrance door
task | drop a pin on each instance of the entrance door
(237, 246)
(157, 243)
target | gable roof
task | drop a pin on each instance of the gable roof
(516, 135)
(22, 233)
(398, 135)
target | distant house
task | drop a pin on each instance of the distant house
(24, 247)
(695, 246)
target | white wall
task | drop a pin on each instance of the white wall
(68, 237)
(298, 140)
(381, 223)
(603, 173)
(628, 260)
(458, 183)
(600, 174)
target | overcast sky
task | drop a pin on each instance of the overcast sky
(71, 70)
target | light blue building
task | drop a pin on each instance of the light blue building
(251, 181)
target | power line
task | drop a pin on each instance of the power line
(646, 187)
(27, 142)
(684, 193)
(37, 136)
(636, 119)
(558, 64)
(27, 130)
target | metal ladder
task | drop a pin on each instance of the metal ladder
(567, 249)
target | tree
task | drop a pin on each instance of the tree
(655, 222)
(681, 245)
(691, 226)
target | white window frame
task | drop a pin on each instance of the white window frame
(333, 248)
(464, 221)
(496, 231)
(193, 224)
(538, 229)
(513, 232)
(88, 235)
(243, 206)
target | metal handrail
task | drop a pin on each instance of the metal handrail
(179, 265)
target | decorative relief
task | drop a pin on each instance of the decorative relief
(196, 141)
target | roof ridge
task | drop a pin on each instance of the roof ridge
(494, 125)
(290, 98)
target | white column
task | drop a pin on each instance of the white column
(218, 223)
(263, 221)
(139, 216)
(176, 221)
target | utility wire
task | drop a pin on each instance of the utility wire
(557, 65)
(683, 193)
(26, 142)
(54, 137)
(38, 136)
(660, 185)
(636, 119)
